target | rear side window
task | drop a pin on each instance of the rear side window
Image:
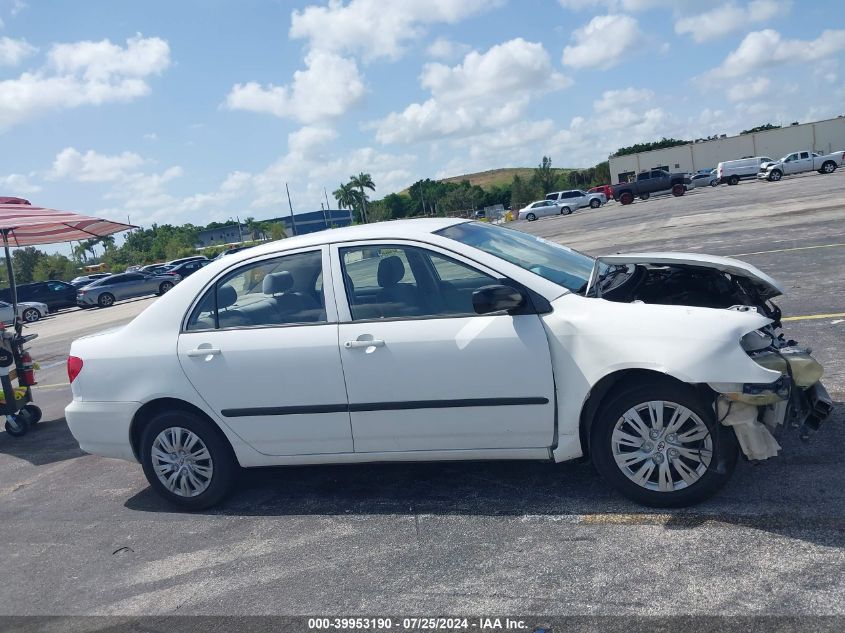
(643, 176)
(271, 292)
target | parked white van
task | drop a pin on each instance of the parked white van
(732, 171)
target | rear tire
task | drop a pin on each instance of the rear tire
(105, 300)
(164, 287)
(595, 203)
(626, 198)
(733, 180)
(714, 183)
(565, 210)
(678, 190)
(776, 175)
(207, 460)
(656, 463)
(828, 167)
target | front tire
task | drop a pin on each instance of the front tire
(164, 287)
(530, 217)
(775, 175)
(626, 198)
(828, 167)
(661, 445)
(31, 315)
(565, 210)
(595, 204)
(186, 461)
(105, 300)
(678, 190)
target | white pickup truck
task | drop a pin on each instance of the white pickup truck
(799, 162)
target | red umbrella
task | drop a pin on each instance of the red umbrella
(22, 224)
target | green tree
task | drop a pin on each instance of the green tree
(277, 231)
(645, 147)
(544, 175)
(24, 261)
(363, 181)
(55, 266)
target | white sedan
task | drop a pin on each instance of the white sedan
(538, 209)
(28, 311)
(442, 339)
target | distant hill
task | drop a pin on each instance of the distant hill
(492, 177)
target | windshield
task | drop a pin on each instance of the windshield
(559, 264)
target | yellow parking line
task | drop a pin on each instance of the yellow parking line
(59, 384)
(786, 250)
(808, 317)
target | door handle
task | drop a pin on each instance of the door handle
(366, 343)
(204, 351)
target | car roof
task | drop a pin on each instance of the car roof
(378, 230)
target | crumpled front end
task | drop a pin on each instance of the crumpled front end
(796, 400)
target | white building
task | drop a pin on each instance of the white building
(822, 136)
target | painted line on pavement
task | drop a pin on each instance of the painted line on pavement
(809, 317)
(786, 250)
(59, 384)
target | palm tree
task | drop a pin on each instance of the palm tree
(107, 242)
(362, 181)
(346, 197)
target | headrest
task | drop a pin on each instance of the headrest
(390, 271)
(277, 282)
(226, 296)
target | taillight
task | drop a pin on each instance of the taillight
(74, 366)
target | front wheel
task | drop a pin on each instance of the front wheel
(595, 204)
(828, 167)
(186, 461)
(530, 217)
(678, 190)
(775, 175)
(626, 198)
(565, 210)
(164, 287)
(714, 183)
(661, 446)
(31, 315)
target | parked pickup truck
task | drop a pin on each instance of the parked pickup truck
(799, 162)
(649, 182)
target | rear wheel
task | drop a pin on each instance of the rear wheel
(530, 217)
(626, 198)
(660, 445)
(678, 190)
(714, 182)
(645, 196)
(105, 300)
(733, 180)
(565, 210)
(595, 203)
(828, 167)
(31, 315)
(186, 461)
(164, 287)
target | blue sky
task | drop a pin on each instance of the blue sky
(201, 110)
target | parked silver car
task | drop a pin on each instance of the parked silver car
(574, 199)
(104, 292)
(28, 311)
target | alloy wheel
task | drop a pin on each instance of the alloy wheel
(31, 315)
(662, 446)
(182, 462)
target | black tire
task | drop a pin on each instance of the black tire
(714, 475)
(678, 190)
(530, 217)
(626, 198)
(645, 196)
(714, 183)
(828, 167)
(595, 203)
(776, 175)
(34, 414)
(22, 418)
(31, 315)
(105, 300)
(565, 210)
(224, 468)
(733, 180)
(164, 287)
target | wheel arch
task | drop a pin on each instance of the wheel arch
(620, 380)
(152, 408)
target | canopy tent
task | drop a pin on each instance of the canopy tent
(22, 224)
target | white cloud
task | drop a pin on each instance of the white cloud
(327, 88)
(763, 49)
(13, 52)
(612, 100)
(307, 140)
(628, 5)
(752, 89)
(729, 17)
(84, 73)
(71, 164)
(446, 49)
(603, 42)
(18, 183)
(483, 92)
(374, 28)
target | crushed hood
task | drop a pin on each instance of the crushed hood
(767, 286)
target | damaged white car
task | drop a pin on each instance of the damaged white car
(431, 340)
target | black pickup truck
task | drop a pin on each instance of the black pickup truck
(649, 182)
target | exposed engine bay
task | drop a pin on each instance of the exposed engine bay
(755, 411)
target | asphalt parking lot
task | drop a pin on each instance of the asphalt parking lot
(84, 535)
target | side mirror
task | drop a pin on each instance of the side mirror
(496, 298)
